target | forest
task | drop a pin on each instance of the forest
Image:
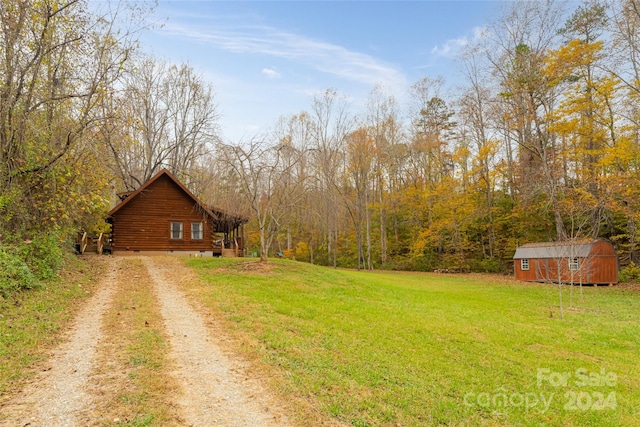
(540, 142)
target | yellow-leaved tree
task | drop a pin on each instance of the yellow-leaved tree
(585, 120)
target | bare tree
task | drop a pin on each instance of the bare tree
(296, 131)
(476, 113)
(626, 43)
(384, 124)
(266, 173)
(170, 120)
(330, 125)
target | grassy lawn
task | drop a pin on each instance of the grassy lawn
(426, 349)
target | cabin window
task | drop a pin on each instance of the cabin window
(574, 264)
(524, 263)
(176, 230)
(196, 231)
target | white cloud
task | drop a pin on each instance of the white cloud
(452, 47)
(271, 73)
(263, 40)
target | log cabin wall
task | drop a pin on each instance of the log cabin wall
(144, 223)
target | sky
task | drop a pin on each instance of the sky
(267, 59)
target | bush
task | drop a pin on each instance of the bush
(23, 265)
(399, 263)
(489, 265)
(630, 273)
(43, 255)
(15, 274)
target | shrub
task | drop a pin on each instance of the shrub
(15, 274)
(630, 273)
(43, 255)
(24, 264)
(399, 263)
(489, 265)
(425, 262)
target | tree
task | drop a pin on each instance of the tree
(170, 120)
(330, 123)
(60, 65)
(266, 174)
(431, 160)
(584, 118)
(294, 133)
(383, 123)
(626, 44)
(359, 159)
(620, 163)
(430, 125)
(475, 113)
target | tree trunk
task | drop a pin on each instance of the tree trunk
(335, 248)
(367, 215)
(263, 245)
(631, 229)
(383, 235)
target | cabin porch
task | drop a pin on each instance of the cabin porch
(228, 235)
(228, 248)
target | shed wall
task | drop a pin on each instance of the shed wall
(600, 266)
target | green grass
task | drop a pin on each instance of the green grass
(31, 320)
(426, 349)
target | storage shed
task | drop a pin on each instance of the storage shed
(588, 262)
(163, 216)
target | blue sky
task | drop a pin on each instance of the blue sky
(267, 59)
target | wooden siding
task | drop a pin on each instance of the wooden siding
(599, 266)
(144, 223)
(526, 275)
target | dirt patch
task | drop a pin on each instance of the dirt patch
(141, 353)
(58, 396)
(217, 389)
(255, 266)
(246, 267)
(129, 384)
(633, 287)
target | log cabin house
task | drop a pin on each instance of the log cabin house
(163, 216)
(587, 262)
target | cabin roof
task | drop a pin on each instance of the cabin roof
(579, 249)
(216, 214)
